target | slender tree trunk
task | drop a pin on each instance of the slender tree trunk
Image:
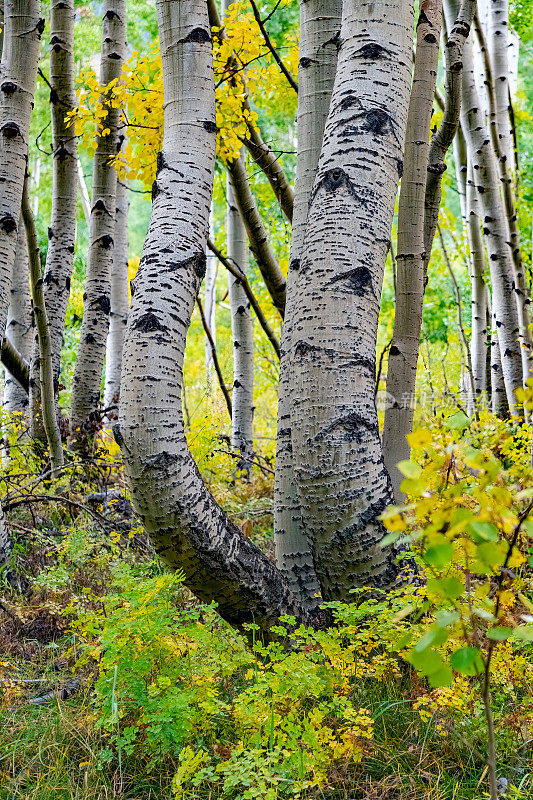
(118, 316)
(411, 254)
(320, 22)
(84, 194)
(498, 39)
(479, 291)
(481, 155)
(243, 339)
(210, 305)
(97, 305)
(18, 329)
(186, 524)
(23, 27)
(62, 230)
(45, 360)
(338, 460)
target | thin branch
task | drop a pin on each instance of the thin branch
(268, 42)
(16, 364)
(214, 355)
(235, 271)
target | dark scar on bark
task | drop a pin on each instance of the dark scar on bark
(372, 50)
(198, 262)
(199, 35)
(354, 425)
(358, 279)
(306, 62)
(103, 303)
(106, 241)
(210, 126)
(8, 223)
(295, 264)
(148, 323)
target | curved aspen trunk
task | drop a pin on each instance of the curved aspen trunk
(23, 27)
(19, 328)
(320, 22)
(338, 460)
(243, 339)
(411, 253)
(210, 305)
(118, 316)
(97, 305)
(504, 306)
(45, 358)
(189, 529)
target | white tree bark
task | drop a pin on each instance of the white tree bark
(320, 22)
(210, 305)
(20, 57)
(187, 526)
(118, 316)
(498, 40)
(487, 183)
(411, 252)
(84, 194)
(243, 338)
(338, 461)
(18, 328)
(97, 305)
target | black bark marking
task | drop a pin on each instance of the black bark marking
(106, 241)
(372, 51)
(377, 121)
(8, 223)
(103, 302)
(358, 279)
(89, 339)
(100, 207)
(210, 126)
(148, 323)
(304, 348)
(394, 351)
(306, 62)
(114, 56)
(8, 87)
(430, 38)
(155, 190)
(40, 27)
(349, 101)
(355, 427)
(198, 262)
(199, 35)
(295, 264)
(10, 130)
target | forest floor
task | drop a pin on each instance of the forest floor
(116, 683)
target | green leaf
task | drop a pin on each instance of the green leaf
(434, 636)
(451, 588)
(524, 632)
(390, 538)
(499, 633)
(467, 661)
(457, 421)
(443, 677)
(491, 554)
(427, 662)
(446, 617)
(410, 469)
(439, 554)
(484, 531)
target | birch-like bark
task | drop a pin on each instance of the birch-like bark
(23, 27)
(18, 328)
(486, 176)
(210, 306)
(97, 305)
(188, 528)
(118, 316)
(243, 339)
(338, 460)
(45, 359)
(411, 253)
(478, 347)
(320, 22)
(84, 194)
(498, 40)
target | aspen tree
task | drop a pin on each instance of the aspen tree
(338, 461)
(188, 528)
(119, 297)
(486, 177)
(210, 305)
(411, 252)
(320, 22)
(97, 305)
(23, 27)
(18, 328)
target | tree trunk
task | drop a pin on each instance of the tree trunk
(18, 329)
(320, 22)
(338, 460)
(23, 27)
(118, 316)
(189, 530)
(210, 305)
(411, 254)
(45, 357)
(97, 305)
(243, 339)
(498, 39)
(482, 157)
